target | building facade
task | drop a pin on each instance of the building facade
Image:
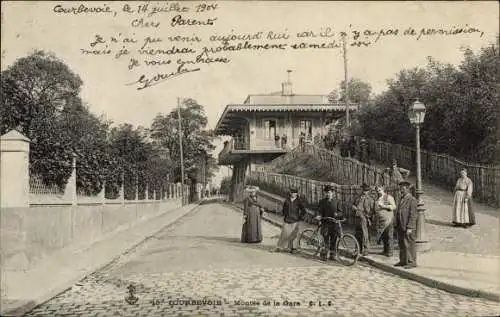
(266, 126)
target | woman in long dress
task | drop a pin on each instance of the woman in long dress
(252, 213)
(463, 214)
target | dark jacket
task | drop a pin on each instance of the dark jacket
(293, 210)
(330, 208)
(406, 214)
(365, 206)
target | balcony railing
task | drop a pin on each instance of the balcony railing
(239, 143)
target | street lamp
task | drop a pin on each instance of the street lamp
(416, 114)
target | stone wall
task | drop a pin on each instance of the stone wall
(31, 233)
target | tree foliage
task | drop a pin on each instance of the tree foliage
(225, 186)
(462, 107)
(359, 91)
(40, 98)
(196, 140)
(38, 92)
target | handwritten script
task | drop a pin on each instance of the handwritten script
(160, 42)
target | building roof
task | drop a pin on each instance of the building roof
(279, 99)
(230, 118)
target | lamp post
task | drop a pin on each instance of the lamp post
(416, 114)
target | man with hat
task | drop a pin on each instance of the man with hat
(330, 207)
(294, 211)
(398, 174)
(406, 224)
(364, 209)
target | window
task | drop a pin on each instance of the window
(269, 129)
(306, 128)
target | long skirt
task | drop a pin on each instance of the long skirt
(288, 237)
(251, 231)
(463, 213)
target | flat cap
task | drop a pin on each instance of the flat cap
(404, 183)
(327, 188)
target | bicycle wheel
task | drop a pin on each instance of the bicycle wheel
(348, 249)
(310, 241)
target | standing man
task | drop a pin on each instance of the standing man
(398, 174)
(294, 211)
(329, 207)
(385, 206)
(363, 209)
(406, 224)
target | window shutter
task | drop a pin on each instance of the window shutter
(259, 133)
(296, 128)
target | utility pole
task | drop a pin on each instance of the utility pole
(346, 82)
(180, 147)
(204, 176)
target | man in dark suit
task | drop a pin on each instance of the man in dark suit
(406, 225)
(293, 212)
(330, 207)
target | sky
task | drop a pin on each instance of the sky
(27, 26)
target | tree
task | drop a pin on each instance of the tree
(225, 186)
(359, 91)
(86, 135)
(36, 89)
(137, 159)
(333, 96)
(462, 107)
(196, 139)
(35, 92)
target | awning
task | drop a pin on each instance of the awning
(231, 120)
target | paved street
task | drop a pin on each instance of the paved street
(197, 267)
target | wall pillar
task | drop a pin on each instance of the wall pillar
(136, 188)
(70, 190)
(121, 194)
(15, 177)
(102, 194)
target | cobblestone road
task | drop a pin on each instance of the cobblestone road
(198, 268)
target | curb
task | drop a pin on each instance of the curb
(470, 292)
(28, 306)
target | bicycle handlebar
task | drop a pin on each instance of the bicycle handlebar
(334, 219)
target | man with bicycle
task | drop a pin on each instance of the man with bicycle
(329, 207)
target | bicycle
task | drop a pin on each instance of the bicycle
(346, 247)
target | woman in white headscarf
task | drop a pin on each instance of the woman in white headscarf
(463, 214)
(252, 213)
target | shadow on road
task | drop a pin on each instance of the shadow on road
(234, 241)
(439, 223)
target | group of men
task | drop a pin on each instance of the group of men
(382, 212)
(386, 216)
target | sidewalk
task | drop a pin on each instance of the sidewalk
(26, 290)
(462, 261)
(482, 239)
